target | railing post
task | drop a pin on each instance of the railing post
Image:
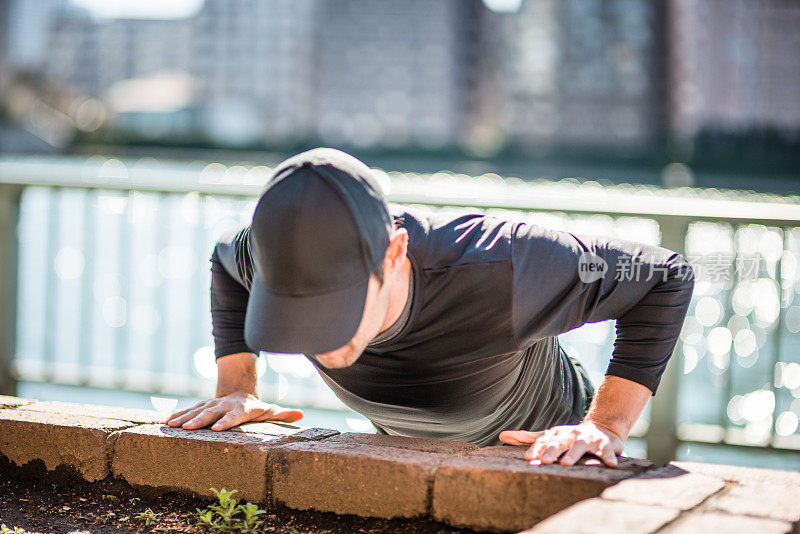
(662, 440)
(10, 196)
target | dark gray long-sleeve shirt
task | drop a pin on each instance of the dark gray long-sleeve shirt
(478, 352)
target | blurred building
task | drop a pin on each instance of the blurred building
(5, 25)
(735, 65)
(29, 123)
(252, 64)
(431, 73)
(574, 72)
(93, 55)
(359, 72)
(394, 72)
(247, 66)
(29, 25)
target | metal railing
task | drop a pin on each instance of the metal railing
(101, 281)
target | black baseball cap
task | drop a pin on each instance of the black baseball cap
(320, 227)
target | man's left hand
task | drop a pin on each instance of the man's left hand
(572, 440)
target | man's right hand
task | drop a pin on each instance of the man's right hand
(230, 410)
(236, 401)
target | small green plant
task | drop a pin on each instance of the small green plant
(134, 500)
(229, 515)
(5, 530)
(148, 516)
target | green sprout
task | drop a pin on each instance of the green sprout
(5, 530)
(148, 516)
(229, 515)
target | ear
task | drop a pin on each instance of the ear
(396, 251)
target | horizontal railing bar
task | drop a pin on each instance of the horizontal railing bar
(551, 207)
(419, 189)
(741, 446)
(711, 434)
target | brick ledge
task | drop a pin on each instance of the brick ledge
(482, 488)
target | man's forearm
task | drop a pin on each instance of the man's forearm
(617, 404)
(237, 372)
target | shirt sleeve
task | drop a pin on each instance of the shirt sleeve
(231, 277)
(559, 283)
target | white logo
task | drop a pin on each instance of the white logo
(591, 267)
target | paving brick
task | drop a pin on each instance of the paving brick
(761, 500)
(637, 465)
(600, 516)
(666, 486)
(94, 410)
(495, 488)
(7, 401)
(742, 475)
(403, 442)
(298, 433)
(193, 461)
(78, 442)
(351, 478)
(716, 523)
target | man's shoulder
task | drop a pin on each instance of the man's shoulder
(232, 251)
(445, 238)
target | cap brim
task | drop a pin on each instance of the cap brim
(302, 324)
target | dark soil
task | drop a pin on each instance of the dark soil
(59, 502)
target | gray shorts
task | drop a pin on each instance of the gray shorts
(582, 400)
(586, 384)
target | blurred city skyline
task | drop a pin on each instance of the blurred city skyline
(617, 77)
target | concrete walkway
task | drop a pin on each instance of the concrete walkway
(458, 483)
